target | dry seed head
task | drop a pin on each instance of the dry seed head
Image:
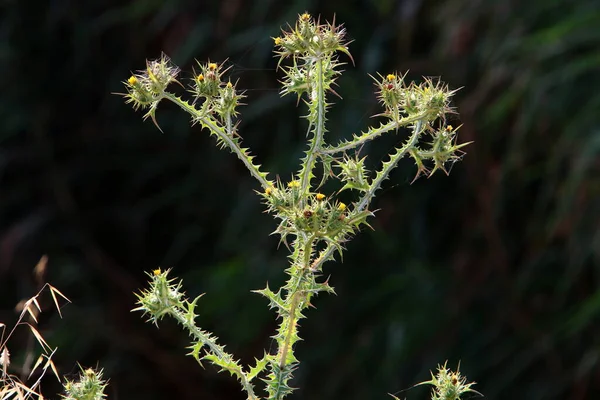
(4, 359)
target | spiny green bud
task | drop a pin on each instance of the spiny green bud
(207, 82)
(228, 100)
(163, 295)
(353, 173)
(433, 99)
(443, 151)
(146, 88)
(89, 386)
(296, 81)
(391, 93)
(137, 92)
(448, 385)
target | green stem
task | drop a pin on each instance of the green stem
(228, 139)
(216, 349)
(388, 167)
(327, 254)
(285, 348)
(372, 134)
(317, 141)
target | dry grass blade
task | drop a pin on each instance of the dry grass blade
(34, 299)
(7, 392)
(27, 308)
(54, 291)
(25, 388)
(37, 364)
(39, 338)
(53, 367)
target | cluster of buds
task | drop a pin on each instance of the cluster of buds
(148, 86)
(443, 151)
(316, 215)
(309, 43)
(448, 384)
(220, 96)
(89, 385)
(427, 101)
(163, 296)
(310, 38)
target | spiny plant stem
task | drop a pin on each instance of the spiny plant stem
(319, 128)
(327, 253)
(388, 166)
(291, 327)
(225, 136)
(372, 134)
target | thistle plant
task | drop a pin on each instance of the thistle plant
(313, 225)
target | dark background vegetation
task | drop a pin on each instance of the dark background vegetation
(495, 267)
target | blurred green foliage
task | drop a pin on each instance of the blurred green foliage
(496, 266)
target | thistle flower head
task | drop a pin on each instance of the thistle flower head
(88, 385)
(207, 81)
(311, 39)
(449, 385)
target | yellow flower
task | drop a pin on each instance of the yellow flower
(212, 66)
(200, 78)
(293, 184)
(229, 85)
(305, 17)
(320, 196)
(391, 77)
(277, 41)
(157, 272)
(132, 80)
(341, 207)
(268, 191)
